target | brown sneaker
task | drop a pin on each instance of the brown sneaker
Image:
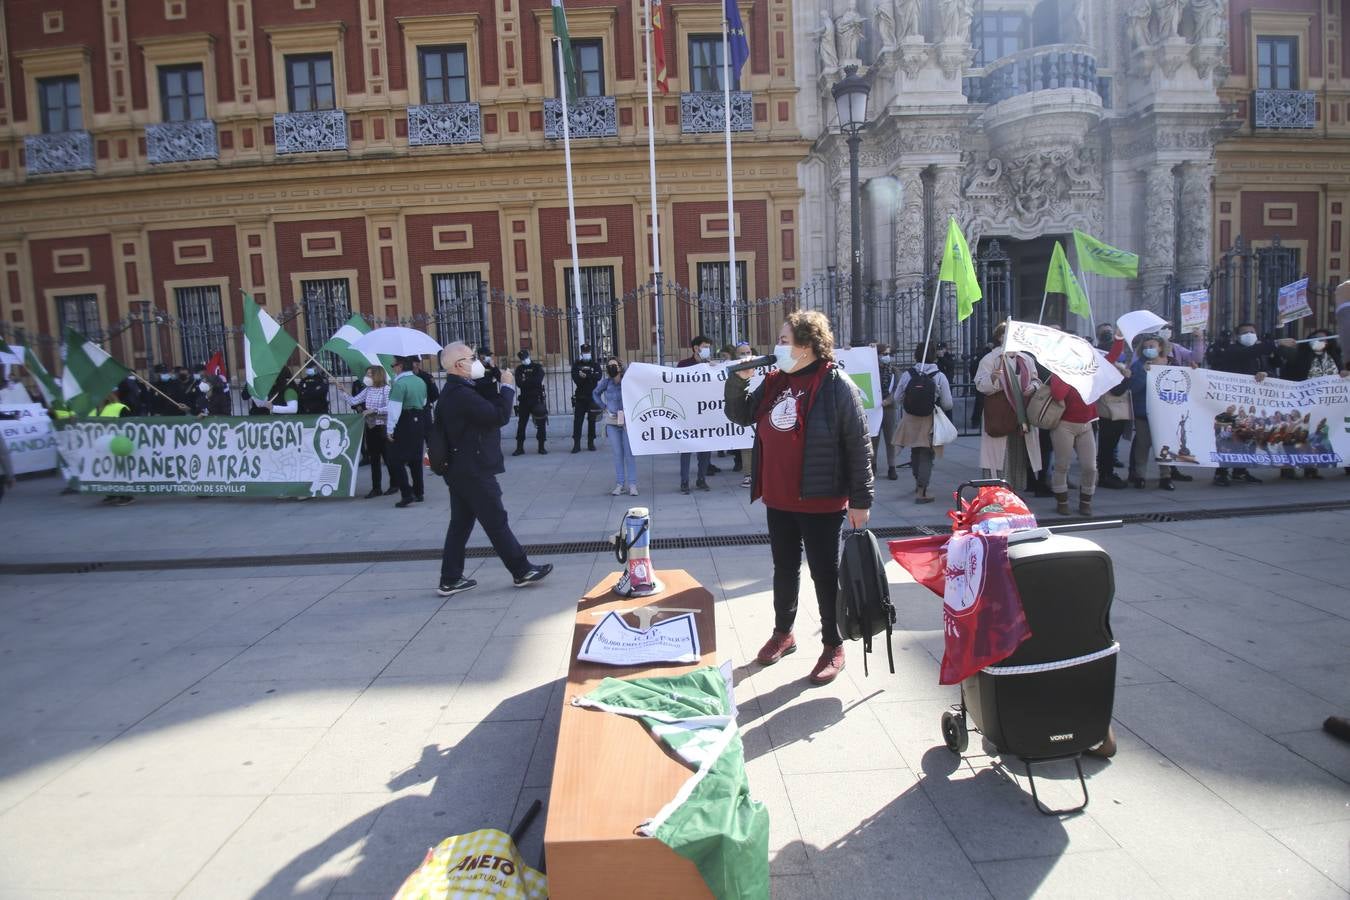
(828, 667)
(778, 646)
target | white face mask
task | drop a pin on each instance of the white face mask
(1319, 346)
(704, 352)
(585, 357)
(368, 381)
(487, 360)
(476, 370)
(1165, 333)
(1247, 339)
(204, 387)
(311, 371)
(886, 359)
(197, 376)
(525, 361)
(784, 359)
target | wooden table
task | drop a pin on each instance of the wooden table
(610, 775)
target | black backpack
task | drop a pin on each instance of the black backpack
(920, 393)
(863, 608)
(438, 450)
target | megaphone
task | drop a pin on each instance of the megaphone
(632, 548)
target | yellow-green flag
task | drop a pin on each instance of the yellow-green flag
(1060, 280)
(959, 269)
(1095, 256)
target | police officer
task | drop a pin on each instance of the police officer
(313, 392)
(532, 402)
(489, 384)
(585, 375)
(433, 393)
(171, 398)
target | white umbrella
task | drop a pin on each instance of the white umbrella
(397, 342)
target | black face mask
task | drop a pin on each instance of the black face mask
(613, 370)
(1105, 339)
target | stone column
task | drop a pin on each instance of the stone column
(946, 204)
(1197, 223)
(907, 258)
(1160, 235)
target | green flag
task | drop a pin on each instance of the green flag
(1060, 280)
(267, 346)
(1095, 256)
(565, 46)
(341, 344)
(51, 391)
(711, 821)
(959, 269)
(90, 374)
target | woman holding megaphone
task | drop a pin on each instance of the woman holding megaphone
(812, 465)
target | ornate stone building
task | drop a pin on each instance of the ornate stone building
(1024, 120)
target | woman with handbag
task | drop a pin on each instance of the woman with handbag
(923, 390)
(1073, 435)
(608, 395)
(994, 379)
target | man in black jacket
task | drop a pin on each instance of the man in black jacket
(585, 376)
(533, 403)
(430, 382)
(1246, 355)
(472, 423)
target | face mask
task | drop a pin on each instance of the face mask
(783, 357)
(525, 361)
(368, 381)
(166, 377)
(886, 359)
(1247, 339)
(613, 370)
(1165, 333)
(477, 370)
(1319, 346)
(704, 352)
(1149, 353)
(585, 357)
(487, 360)
(204, 388)
(197, 376)
(1105, 339)
(311, 371)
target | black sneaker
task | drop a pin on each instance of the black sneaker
(1247, 478)
(458, 586)
(520, 451)
(702, 485)
(404, 504)
(534, 575)
(684, 487)
(712, 470)
(1221, 481)
(419, 499)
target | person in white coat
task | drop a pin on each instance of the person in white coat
(989, 380)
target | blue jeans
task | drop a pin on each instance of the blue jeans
(625, 464)
(704, 460)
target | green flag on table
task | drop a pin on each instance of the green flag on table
(1095, 256)
(711, 821)
(51, 391)
(959, 269)
(569, 63)
(90, 374)
(341, 344)
(1060, 280)
(267, 346)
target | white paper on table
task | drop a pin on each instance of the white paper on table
(616, 643)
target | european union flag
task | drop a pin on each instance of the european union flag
(737, 45)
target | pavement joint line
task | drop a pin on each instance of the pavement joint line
(686, 542)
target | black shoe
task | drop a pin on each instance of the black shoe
(713, 470)
(520, 451)
(890, 474)
(1112, 481)
(1178, 475)
(1136, 482)
(374, 492)
(392, 490)
(458, 586)
(1165, 484)
(543, 451)
(576, 448)
(534, 575)
(419, 499)
(1248, 478)
(1222, 481)
(404, 504)
(702, 485)
(684, 487)
(738, 467)
(590, 445)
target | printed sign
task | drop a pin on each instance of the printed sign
(1194, 311)
(1070, 357)
(1204, 418)
(616, 643)
(30, 439)
(1293, 301)
(254, 456)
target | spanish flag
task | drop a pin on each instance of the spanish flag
(656, 11)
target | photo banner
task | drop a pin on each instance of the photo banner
(1204, 418)
(1293, 301)
(679, 410)
(1194, 311)
(224, 456)
(29, 437)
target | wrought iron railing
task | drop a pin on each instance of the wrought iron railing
(171, 142)
(1035, 69)
(1284, 109)
(433, 124)
(588, 117)
(310, 132)
(64, 151)
(704, 112)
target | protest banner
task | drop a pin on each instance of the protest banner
(1194, 311)
(1293, 301)
(29, 437)
(1070, 357)
(1140, 321)
(255, 456)
(679, 410)
(1200, 417)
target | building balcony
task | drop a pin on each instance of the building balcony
(433, 124)
(320, 131)
(64, 151)
(1036, 69)
(172, 142)
(588, 117)
(1284, 109)
(704, 112)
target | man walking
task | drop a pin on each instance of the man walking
(585, 376)
(533, 403)
(700, 352)
(406, 430)
(471, 416)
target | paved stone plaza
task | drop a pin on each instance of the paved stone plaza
(309, 730)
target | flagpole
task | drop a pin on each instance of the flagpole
(182, 406)
(651, 175)
(731, 206)
(318, 365)
(1041, 318)
(932, 315)
(1092, 319)
(571, 199)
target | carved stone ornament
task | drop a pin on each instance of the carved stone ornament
(1160, 213)
(953, 58)
(849, 31)
(884, 17)
(828, 49)
(914, 55)
(1043, 190)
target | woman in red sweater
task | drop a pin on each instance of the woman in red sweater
(1073, 435)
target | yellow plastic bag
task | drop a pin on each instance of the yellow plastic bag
(482, 863)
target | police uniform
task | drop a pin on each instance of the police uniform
(313, 394)
(532, 402)
(585, 375)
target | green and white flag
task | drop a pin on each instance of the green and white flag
(341, 344)
(569, 62)
(711, 820)
(90, 374)
(267, 346)
(51, 391)
(1102, 258)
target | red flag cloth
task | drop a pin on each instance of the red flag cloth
(993, 510)
(925, 558)
(216, 365)
(659, 45)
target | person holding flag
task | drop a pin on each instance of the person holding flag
(267, 346)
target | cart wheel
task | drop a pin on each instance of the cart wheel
(954, 732)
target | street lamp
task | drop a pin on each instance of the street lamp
(850, 99)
